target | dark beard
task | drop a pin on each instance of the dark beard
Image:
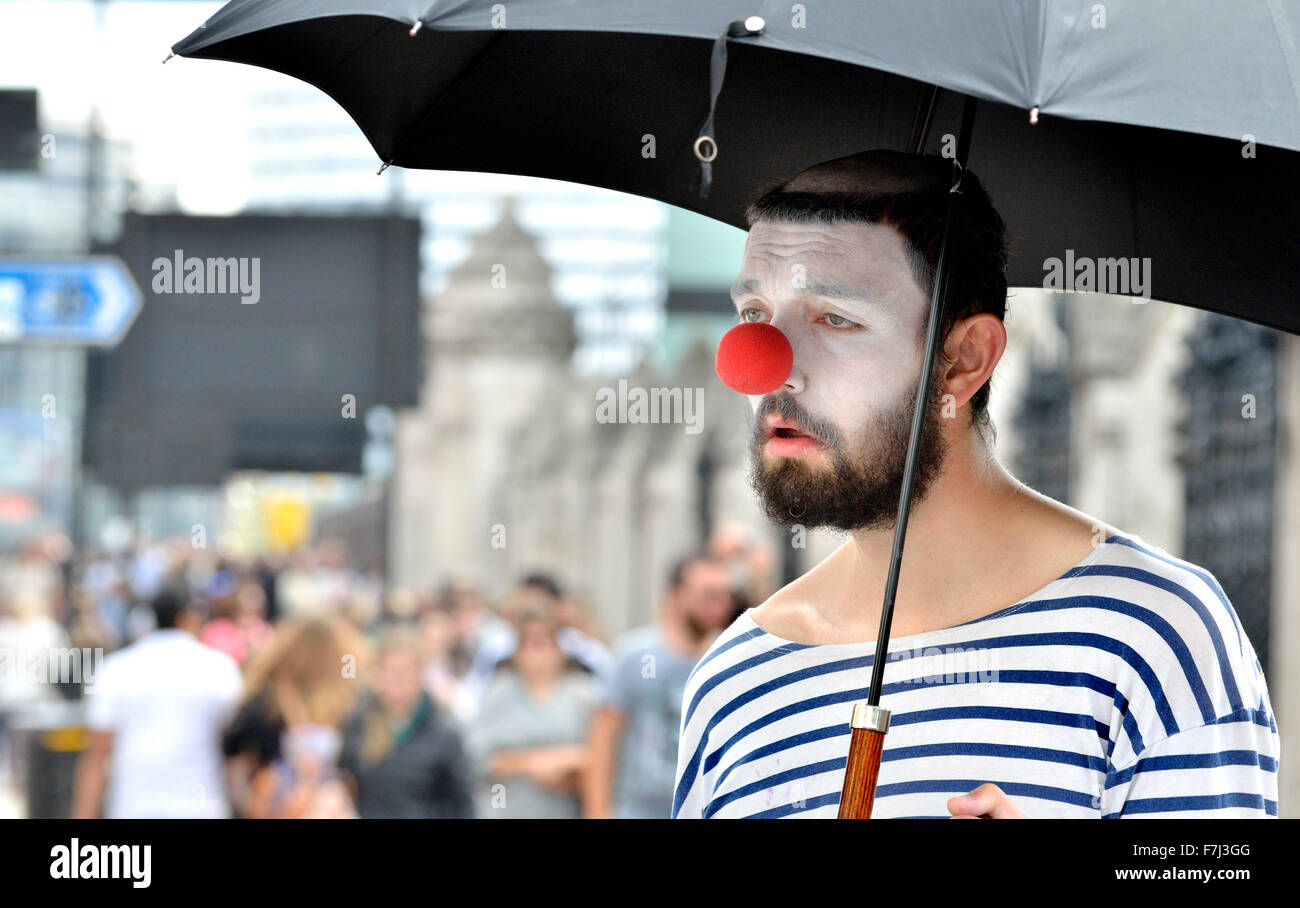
(694, 629)
(861, 488)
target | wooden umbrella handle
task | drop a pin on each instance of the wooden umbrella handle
(866, 744)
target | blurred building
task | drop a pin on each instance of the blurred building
(496, 340)
(305, 155)
(506, 466)
(76, 195)
(72, 199)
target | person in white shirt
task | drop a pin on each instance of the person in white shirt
(156, 711)
(30, 645)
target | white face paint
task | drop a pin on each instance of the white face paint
(845, 297)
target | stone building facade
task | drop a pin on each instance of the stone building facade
(509, 465)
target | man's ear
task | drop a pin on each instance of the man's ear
(974, 346)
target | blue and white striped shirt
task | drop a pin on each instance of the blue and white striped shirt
(1124, 688)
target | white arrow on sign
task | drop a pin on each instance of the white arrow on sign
(89, 301)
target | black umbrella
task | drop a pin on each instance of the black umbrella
(1141, 150)
(1157, 140)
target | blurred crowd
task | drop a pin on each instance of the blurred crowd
(299, 686)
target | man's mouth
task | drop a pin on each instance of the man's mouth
(776, 427)
(787, 439)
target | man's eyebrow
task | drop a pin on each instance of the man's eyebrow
(824, 289)
(839, 292)
(743, 287)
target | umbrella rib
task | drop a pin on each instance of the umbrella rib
(352, 53)
(1286, 41)
(921, 128)
(1133, 207)
(433, 105)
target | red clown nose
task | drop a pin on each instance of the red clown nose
(754, 358)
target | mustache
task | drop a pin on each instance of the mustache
(788, 409)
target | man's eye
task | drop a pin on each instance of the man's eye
(746, 313)
(839, 321)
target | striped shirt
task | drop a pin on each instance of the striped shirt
(1124, 688)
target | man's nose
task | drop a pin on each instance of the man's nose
(787, 323)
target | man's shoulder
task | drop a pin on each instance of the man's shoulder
(1150, 576)
(1192, 630)
(630, 648)
(638, 637)
(1194, 660)
(206, 669)
(190, 647)
(137, 653)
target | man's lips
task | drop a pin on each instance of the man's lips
(775, 427)
(786, 439)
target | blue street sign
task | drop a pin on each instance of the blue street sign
(90, 301)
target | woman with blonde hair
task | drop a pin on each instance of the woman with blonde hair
(402, 750)
(283, 744)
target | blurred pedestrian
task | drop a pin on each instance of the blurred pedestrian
(30, 639)
(236, 626)
(633, 735)
(445, 658)
(401, 749)
(537, 592)
(28, 634)
(156, 711)
(221, 630)
(109, 597)
(528, 740)
(578, 636)
(750, 562)
(284, 743)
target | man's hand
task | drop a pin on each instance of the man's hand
(988, 802)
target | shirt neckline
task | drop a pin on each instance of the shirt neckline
(164, 634)
(780, 644)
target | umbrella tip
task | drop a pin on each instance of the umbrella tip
(419, 23)
(382, 169)
(1033, 115)
(170, 54)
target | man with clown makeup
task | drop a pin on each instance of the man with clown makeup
(1041, 662)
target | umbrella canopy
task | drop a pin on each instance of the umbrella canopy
(1178, 155)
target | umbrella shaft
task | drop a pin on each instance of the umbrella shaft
(932, 345)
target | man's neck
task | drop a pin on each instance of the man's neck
(958, 540)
